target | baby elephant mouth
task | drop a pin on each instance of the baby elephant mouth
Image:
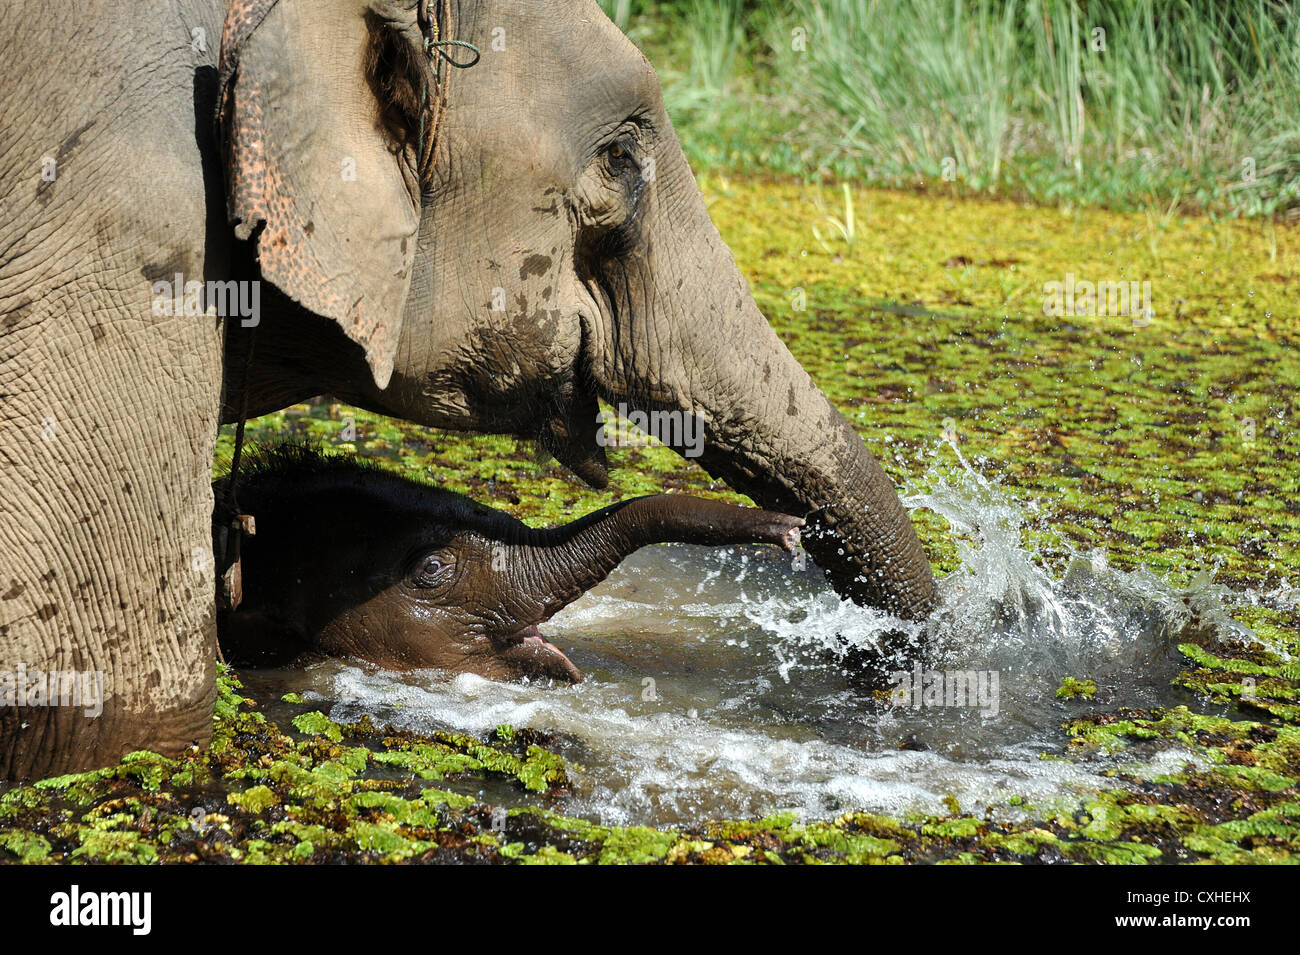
(537, 657)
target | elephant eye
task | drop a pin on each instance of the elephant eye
(434, 569)
(618, 156)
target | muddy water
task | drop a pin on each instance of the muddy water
(714, 687)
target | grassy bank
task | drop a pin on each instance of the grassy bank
(1126, 104)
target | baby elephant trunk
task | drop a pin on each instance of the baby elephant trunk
(567, 561)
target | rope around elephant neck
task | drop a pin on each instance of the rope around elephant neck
(233, 525)
(435, 24)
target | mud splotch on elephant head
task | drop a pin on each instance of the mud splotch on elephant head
(352, 560)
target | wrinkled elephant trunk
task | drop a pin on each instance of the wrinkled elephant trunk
(799, 455)
(567, 561)
(695, 342)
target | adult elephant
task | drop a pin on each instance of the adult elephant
(541, 246)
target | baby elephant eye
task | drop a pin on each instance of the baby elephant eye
(434, 569)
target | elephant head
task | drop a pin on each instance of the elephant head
(351, 560)
(557, 252)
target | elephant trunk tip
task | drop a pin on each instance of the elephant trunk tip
(785, 532)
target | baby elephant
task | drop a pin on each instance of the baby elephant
(352, 560)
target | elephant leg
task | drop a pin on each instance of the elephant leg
(108, 406)
(104, 537)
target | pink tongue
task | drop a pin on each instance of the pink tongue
(532, 636)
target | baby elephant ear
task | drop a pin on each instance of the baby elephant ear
(315, 158)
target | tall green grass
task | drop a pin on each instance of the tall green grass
(1127, 103)
(1111, 101)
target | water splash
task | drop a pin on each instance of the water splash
(1007, 605)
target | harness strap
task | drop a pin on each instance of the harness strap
(435, 23)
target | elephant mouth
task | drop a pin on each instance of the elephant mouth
(535, 656)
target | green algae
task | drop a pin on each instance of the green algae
(1271, 835)
(1240, 756)
(537, 769)
(1255, 679)
(291, 799)
(962, 827)
(255, 799)
(25, 847)
(1071, 688)
(317, 723)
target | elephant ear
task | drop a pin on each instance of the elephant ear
(314, 113)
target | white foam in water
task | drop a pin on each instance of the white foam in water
(710, 690)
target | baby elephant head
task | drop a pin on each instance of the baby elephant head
(351, 560)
